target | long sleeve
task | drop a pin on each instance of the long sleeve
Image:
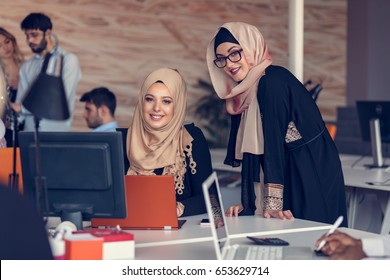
(274, 105)
(193, 198)
(71, 77)
(377, 247)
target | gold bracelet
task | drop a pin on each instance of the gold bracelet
(273, 203)
(273, 190)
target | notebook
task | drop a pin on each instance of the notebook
(150, 204)
(225, 251)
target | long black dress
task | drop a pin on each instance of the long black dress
(298, 152)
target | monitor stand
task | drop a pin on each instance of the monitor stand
(75, 217)
(73, 212)
(376, 145)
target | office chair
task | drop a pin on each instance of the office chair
(315, 90)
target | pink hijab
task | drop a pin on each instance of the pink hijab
(241, 98)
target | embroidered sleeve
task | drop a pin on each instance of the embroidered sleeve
(273, 197)
(292, 133)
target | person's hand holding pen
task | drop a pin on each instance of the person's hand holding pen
(336, 224)
(340, 246)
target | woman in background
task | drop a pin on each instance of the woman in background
(11, 58)
(276, 125)
(158, 142)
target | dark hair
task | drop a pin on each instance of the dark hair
(36, 21)
(101, 96)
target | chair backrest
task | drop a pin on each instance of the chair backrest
(6, 166)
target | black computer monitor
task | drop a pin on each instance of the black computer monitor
(83, 173)
(368, 110)
(126, 162)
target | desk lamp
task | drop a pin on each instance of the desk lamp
(46, 99)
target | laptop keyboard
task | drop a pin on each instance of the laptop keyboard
(259, 253)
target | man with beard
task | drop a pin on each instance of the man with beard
(99, 110)
(39, 36)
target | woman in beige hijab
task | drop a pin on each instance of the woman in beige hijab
(158, 142)
(276, 125)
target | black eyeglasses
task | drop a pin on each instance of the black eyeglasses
(235, 56)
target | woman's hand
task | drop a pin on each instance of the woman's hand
(179, 208)
(278, 214)
(234, 210)
(16, 107)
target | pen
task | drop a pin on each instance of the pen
(332, 229)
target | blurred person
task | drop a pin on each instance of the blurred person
(39, 36)
(11, 59)
(99, 110)
(23, 235)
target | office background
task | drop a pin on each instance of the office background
(120, 41)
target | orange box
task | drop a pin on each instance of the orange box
(83, 246)
(117, 244)
(6, 166)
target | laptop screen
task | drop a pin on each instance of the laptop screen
(215, 211)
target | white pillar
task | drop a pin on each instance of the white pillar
(295, 38)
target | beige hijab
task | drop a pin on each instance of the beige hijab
(148, 148)
(241, 97)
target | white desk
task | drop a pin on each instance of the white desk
(192, 232)
(355, 176)
(193, 241)
(204, 249)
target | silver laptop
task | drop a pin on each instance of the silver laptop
(225, 251)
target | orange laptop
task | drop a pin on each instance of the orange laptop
(150, 204)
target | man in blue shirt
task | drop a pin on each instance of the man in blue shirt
(99, 110)
(38, 30)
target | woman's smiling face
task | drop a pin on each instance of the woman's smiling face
(158, 106)
(236, 70)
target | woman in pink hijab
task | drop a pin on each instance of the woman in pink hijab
(277, 129)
